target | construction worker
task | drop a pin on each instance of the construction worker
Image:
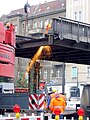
(57, 102)
(48, 27)
(51, 96)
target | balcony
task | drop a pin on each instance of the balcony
(36, 31)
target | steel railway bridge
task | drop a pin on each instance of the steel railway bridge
(69, 41)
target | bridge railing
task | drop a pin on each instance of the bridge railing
(71, 29)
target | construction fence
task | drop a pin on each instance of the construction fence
(33, 117)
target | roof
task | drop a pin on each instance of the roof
(40, 8)
(50, 6)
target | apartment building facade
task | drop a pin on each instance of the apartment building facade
(78, 10)
(34, 25)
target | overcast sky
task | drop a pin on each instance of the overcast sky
(6, 6)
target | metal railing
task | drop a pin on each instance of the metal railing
(71, 29)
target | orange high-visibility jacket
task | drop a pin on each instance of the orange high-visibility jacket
(53, 95)
(57, 103)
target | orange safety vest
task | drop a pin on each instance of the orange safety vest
(53, 95)
(57, 103)
(48, 27)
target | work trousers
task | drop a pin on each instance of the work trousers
(60, 116)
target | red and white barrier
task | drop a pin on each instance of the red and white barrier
(33, 117)
(38, 103)
(68, 119)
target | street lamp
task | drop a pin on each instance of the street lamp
(26, 10)
(63, 79)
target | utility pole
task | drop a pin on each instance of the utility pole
(77, 77)
(63, 79)
(77, 85)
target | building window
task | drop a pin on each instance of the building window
(48, 8)
(74, 72)
(35, 25)
(39, 10)
(23, 26)
(51, 21)
(88, 71)
(29, 25)
(75, 15)
(74, 92)
(46, 23)
(45, 74)
(80, 15)
(58, 73)
(15, 28)
(41, 24)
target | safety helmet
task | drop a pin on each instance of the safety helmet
(54, 90)
(8, 25)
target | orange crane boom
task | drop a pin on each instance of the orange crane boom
(46, 49)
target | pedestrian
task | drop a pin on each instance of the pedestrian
(57, 102)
